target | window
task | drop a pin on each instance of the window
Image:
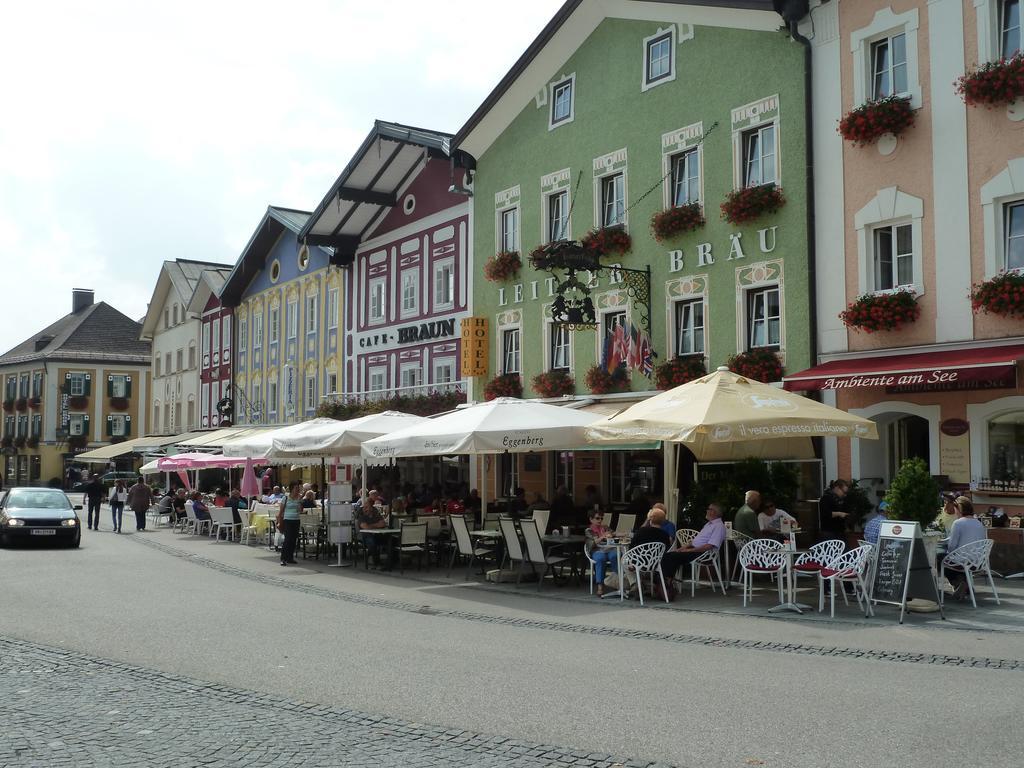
(510, 350)
(157, 364)
(275, 322)
(509, 229)
(118, 426)
(444, 283)
(376, 301)
(174, 313)
(1009, 28)
(167, 317)
(119, 386)
(225, 340)
(613, 200)
(412, 376)
(564, 474)
(272, 396)
(690, 327)
(559, 347)
(377, 376)
(179, 358)
(332, 308)
(562, 101)
(37, 425)
(759, 156)
(310, 393)
(410, 292)
(37, 384)
(9, 426)
(1006, 447)
(686, 178)
(215, 340)
(889, 66)
(257, 401)
(658, 59)
(23, 426)
(764, 326)
(508, 472)
(206, 345)
(257, 331)
(893, 257)
(611, 321)
(291, 314)
(156, 418)
(243, 334)
(444, 371)
(558, 216)
(311, 318)
(331, 383)
(77, 387)
(23, 386)
(77, 424)
(191, 355)
(1013, 216)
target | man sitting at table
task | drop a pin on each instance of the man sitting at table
(711, 536)
(236, 502)
(769, 519)
(660, 519)
(370, 519)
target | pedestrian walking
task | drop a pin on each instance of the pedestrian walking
(139, 499)
(94, 496)
(118, 497)
(288, 521)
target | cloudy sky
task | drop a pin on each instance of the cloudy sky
(138, 132)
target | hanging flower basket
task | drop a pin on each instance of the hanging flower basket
(676, 220)
(553, 384)
(21, 404)
(78, 401)
(678, 371)
(608, 241)
(1002, 295)
(871, 120)
(747, 204)
(504, 385)
(875, 312)
(600, 382)
(77, 441)
(119, 403)
(9, 404)
(502, 266)
(758, 364)
(993, 84)
(32, 442)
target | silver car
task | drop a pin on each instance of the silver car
(40, 514)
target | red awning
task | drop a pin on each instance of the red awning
(978, 368)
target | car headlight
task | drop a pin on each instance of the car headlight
(15, 522)
(69, 523)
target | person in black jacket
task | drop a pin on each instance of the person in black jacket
(832, 512)
(94, 495)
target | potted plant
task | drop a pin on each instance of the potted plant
(748, 203)
(6, 441)
(993, 84)
(870, 121)
(608, 241)
(759, 364)
(504, 385)
(678, 371)
(19, 441)
(502, 266)
(875, 312)
(21, 404)
(1002, 295)
(119, 403)
(553, 384)
(600, 381)
(913, 494)
(676, 220)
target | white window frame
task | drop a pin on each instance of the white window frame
(333, 296)
(749, 320)
(441, 266)
(310, 392)
(1002, 29)
(291, 319)
(76, 424)
(677, 306)
(884, 24)
(605, 181)
(243, 334)
(888, 206)
(508, 240)
(257, 331)
(119, 382)
(1005, 188)
(410, 375)
(689, 157)
(1007, 237)
(646, 81)
(989, 17)
(604, 318)
(441, 364)
(550, 329)
(274, 329)
(312, 314)
(889, 42)
(330, 382)
(376, 303)
(206, 345)
(410, 282)
(518, 352)
(564, 230)
(78, 378)
(377, 380)
(553, 88)
(745, 136)
(272, 395)
(119, 425)
(893, 232)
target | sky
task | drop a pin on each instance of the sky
(132, 133)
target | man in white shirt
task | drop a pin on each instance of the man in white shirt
(770, 518)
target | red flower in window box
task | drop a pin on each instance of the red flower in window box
(677, 220)
(119, 403)
(9, 404)
(678, 371)
(747, 204)
(504, 385)
(502, 266)
(1002, 295)
(32, 442)
(553, 384)
(78, 401)
(868, 122)
(19, 441)
(993, 84)
(601, 382)
(21, 404)
(610, 241)
(35, 402)
(759, 364)
(874, 312)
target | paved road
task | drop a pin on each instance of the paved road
(169, 631)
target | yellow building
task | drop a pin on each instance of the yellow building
(79, 383)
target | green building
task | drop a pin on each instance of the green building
(616, 113)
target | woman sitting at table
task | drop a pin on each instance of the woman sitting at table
(199, 507)
(309, 500)
(220, 499)
(602, 556)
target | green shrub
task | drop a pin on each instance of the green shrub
(913, 493)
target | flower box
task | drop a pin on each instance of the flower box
(875, 312)
(758, 364)
(608, 241)
(553, 384)
(436, 401)
(35, 402)
(601, 382)
(19, 441)
(1002, 295)
(6, 441)
(32, 442)
(21, 404)
(993, 84)
(502, 266)
(747, 204)
(9, 404)
(676, 220)
(119, 403)
(873, 119)
(678, 371)
(78, 401)
(504, 385)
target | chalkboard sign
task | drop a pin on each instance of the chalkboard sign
(891, 570)
(901, 569)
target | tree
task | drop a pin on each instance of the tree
(913, 493)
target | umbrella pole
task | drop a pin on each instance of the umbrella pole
(483, 495)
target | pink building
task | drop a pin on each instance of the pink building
(214, 348)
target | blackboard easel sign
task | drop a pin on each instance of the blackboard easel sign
(902, 570)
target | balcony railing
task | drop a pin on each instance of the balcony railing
(421, 399)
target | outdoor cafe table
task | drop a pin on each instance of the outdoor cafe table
(392, 533)
(791, 604)
(620, 546)
(572, 544)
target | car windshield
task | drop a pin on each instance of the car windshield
(30, 498)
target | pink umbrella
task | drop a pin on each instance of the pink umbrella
(195, 461)
(250, 483)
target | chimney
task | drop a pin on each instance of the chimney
(81, 298)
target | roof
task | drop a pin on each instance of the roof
(275, 221)
(98, 332)
(566, 31)
(210, 283)
(181, 276)
(370, 185)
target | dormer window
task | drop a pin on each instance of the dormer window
(562, 101)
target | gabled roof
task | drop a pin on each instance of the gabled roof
(275, 221)
(180, 277)
(370, 184)
(563, 35)
(211, 283)
(96, 333)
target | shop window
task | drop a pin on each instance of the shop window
(1006, 448)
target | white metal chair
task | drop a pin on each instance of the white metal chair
(708, 561)
(645, 558)
(157, 513)
(811, 562)
(535, 554)
(248, 530)
(848, 568)
(625, 523)
(412, 541)
(685, 536)
(464, 543)
(739, 541)
(970, 559)
(222, 520)
(195, 526)
(761, 556)
(513, 546)
(541, 517)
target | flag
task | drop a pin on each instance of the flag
(620, 349)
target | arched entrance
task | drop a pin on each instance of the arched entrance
(905, 430)
(908, 439)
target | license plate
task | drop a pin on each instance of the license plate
(44, 532)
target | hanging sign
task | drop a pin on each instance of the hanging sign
(475, 345)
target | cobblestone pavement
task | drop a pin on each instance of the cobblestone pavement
(69, 709)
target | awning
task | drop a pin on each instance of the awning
(217, 437)
(610, 408)
(137, 445)
(946, 370)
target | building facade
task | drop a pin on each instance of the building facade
(620, 111)
(287, 303)
(935, 212)
(81, 382)
(214, 348)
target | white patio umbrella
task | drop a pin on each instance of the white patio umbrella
(330, 437)
(261, 445)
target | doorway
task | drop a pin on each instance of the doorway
(907, 439)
